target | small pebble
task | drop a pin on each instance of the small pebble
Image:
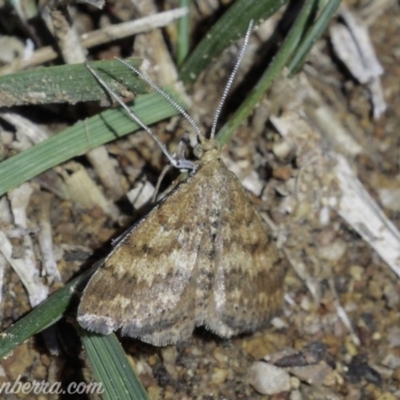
(333, 251)
(314, 374)
(268, 379)
(386, 396)
(154, 392)
(282, 172)
(281, 149)
(296, 395)
(396, 374)
(219, 376)
(169, 355)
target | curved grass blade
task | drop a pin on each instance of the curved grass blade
(111, 367)
(230, 27)
(273, 70)
(183, 33)
(44, 315)
(315, 32)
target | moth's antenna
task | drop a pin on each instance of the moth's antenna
(166, 96)
(231, 79)
(180, 163)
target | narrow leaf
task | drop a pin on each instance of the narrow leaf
(111, 367)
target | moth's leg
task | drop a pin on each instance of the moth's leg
(179, 155)
(159, 180)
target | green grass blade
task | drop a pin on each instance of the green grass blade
(111, 367)
(69, 83)
(44, 315)
(230, 26)
(183, 33)
(315, 32)
(79, 139)
(273, 70)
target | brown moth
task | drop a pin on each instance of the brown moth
(201, 257)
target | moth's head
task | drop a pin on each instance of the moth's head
(207, 150)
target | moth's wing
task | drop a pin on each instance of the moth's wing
(248, 269)
(147, 286)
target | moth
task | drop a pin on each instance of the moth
(201, 257)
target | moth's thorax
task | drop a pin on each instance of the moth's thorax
(210, 150)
